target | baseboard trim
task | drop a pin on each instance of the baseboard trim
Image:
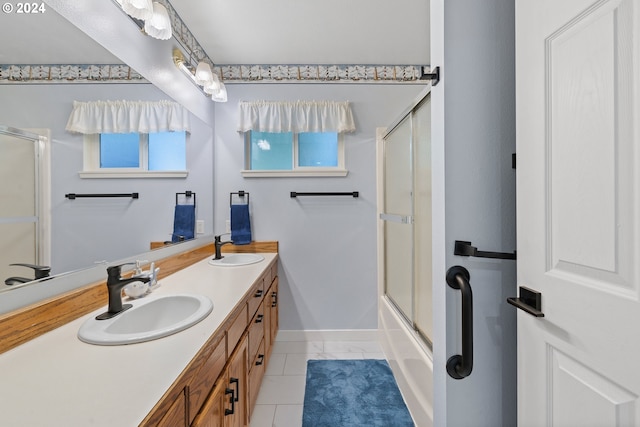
(328, 335)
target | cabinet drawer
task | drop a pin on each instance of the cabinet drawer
(274, 272)
(205, 378)
(257, 297)
(256, 331)
(236, 329)
(257, 370)
(267, 278)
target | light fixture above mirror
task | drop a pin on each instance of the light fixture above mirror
(154, 15)
(202, 76)
(139, 9)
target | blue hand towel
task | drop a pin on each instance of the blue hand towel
(240, 225)
(184, 222)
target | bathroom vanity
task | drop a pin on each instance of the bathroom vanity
(207, 375)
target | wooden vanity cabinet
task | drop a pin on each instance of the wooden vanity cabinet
(230, 365)
(206, 376)
(176, 415)
(227, 405)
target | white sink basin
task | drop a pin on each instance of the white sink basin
(149, 319)
(232, 260)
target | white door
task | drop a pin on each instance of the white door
(578, 186)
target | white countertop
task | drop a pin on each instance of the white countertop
(57, 380)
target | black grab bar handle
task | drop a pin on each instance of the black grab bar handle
(460, 365)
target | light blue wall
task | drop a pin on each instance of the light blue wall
(327, 245)
(89, 230)
(474, 199)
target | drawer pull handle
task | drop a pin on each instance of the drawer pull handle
(260, 360)
(259, 318)
(232, 400)
(259, 293)
(274, 295)
(237, 383)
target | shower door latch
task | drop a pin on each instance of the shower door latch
(433, 75)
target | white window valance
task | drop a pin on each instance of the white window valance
(127, 116)
(298, 116)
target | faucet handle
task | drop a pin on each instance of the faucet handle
(139, 263)
(115, 270)
(41, 271)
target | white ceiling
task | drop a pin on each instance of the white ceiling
(47, 38)
(249, 32)
(310, 31)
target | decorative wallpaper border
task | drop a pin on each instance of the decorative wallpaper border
(120, 73)
(319, 73)
(69, 73)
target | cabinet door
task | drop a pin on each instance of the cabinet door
(256, 331)
(210, 368)
(211, 414)
(176, 415)
(238, 381)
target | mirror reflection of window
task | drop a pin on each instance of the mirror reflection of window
(161, 151)
(119, 150)
(167, 151)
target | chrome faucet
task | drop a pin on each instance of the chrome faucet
(115, 283)
(219, 244)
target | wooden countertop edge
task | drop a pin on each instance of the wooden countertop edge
(25, 324)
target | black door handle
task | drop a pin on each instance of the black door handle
(460, 365)
(529, 301)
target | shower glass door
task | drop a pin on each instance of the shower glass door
(407, 218)
(398, 217)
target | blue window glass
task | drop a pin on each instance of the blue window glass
(167, 151)
(318, 149)
(271, 151)
(119, 150)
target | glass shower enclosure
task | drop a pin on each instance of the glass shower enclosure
(406, 214)
(21, 212)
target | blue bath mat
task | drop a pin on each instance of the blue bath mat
(351, 393)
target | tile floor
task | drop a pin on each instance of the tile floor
(281, 394)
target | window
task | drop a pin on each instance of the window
(297, 154)
(127, 155)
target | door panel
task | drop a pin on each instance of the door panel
(582, 397)
(588, 129)
(577, 99)
(19, 218)
(398, 208)
(423, 220)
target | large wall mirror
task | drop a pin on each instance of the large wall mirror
(86, 231)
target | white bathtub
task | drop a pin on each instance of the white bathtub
(411, 362)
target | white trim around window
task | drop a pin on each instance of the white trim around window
(296, 171)
(91, 162)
